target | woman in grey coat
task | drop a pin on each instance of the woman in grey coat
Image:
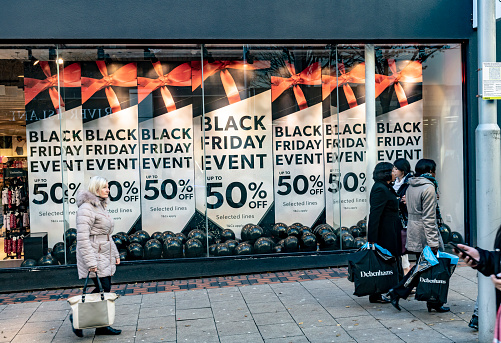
(422, 227)
(96, 251)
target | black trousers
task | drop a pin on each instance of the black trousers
(404, 292)
(105, 282)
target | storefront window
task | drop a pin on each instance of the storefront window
(216, 150)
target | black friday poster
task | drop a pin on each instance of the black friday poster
(298, 144)
(110, 117)
(166, 145)
(399, 127)
(54, 133)
(238, 160)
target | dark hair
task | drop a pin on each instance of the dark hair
(403, 165)
(425, 166)
(383, 172)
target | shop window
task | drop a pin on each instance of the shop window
(216, 150)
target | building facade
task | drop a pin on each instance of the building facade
(227, 130)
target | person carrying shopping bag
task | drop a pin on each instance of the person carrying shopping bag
(384, 226)
(97, 254)
(422, 228)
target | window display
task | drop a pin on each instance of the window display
(220, 149)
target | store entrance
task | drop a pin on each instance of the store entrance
(14, 216)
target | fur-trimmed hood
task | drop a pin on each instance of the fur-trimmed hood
(94, 200)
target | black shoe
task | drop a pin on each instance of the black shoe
(108, 330)
(393, 298)
(474, 322)
(440, 308)
(377, 299)
(77, 332)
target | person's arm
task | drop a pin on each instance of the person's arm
(85, 220)
(377, 203)
(114, 250)
(429, 202)
(485, 260)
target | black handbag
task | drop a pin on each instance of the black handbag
(372, 270)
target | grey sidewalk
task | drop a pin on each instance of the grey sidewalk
(308, 311)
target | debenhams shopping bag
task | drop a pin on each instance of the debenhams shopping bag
(93, 310)
(373, 270)
(433, 283)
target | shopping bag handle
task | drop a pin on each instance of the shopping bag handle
(101, 290)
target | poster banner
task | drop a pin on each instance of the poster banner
(345, 166)
(238, 162)
(399, 126)
(298, 144)
(167, 171)
(166, 146)
(298, 167)
(53, 146)
(111, 143)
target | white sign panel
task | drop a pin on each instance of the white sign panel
(491, 80)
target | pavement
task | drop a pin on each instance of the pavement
(312, 310)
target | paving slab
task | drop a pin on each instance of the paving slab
(192, 303)
(157, 311)
(363, 336)
(40, 327)
(245, 327)
(8, 335)
(53, 306)
(194, 313)
(246, 338)
(272, 318)
(48, 316)
(367, 322)
(156, 323)
(34, 337)
(156, 335)
(307, 311)
(270, 306)
(296, 339)
(327, 334)
(420, 336)
(279, 330)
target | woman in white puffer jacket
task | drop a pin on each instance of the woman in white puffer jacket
(96, 251)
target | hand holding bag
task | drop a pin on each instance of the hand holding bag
(434, 277)
(93, 310)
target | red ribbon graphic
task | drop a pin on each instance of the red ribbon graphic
(126, 76)
(310, 76)
(331, 82)
(229, 85)
(179, 76)
(413, 72)
(68, 77)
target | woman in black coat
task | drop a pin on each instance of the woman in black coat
(384, 227)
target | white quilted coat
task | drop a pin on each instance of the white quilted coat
(95, 247)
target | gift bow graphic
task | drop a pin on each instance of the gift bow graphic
(331, 82)
(413, 72)
(68, 77)
(229, 85)
(179, 76)
(126, 76)
(310, 76)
